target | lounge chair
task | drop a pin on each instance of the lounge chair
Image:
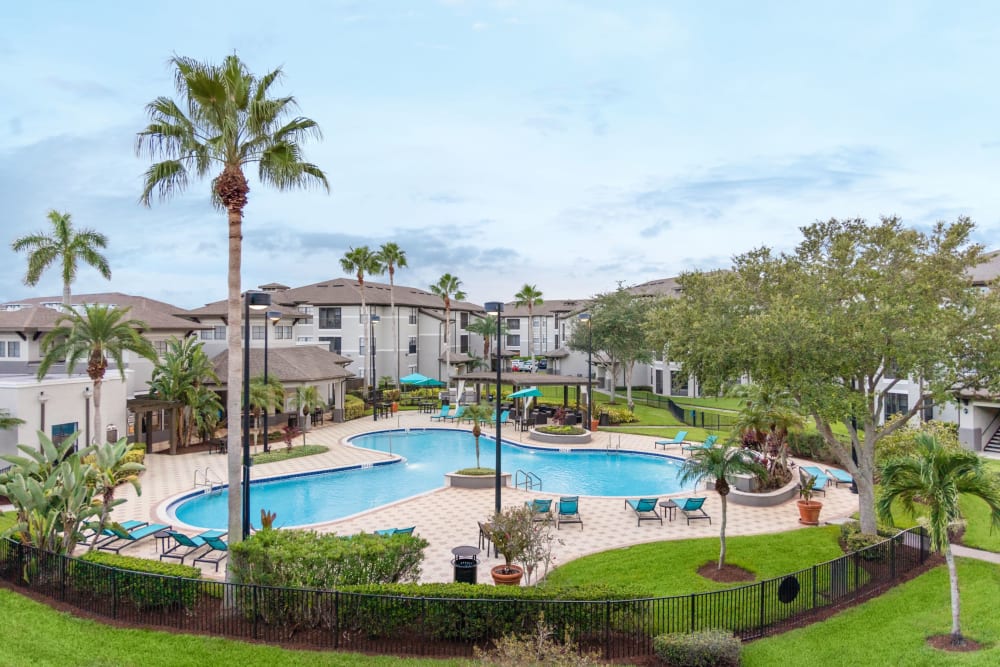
(708, 444)
(678, 440)
(504, 417)
(812, 470)
(185, 545)
(541, 508)
(389, 532)
(123, 538)
(645, 510)
(486, 420)
(568, 511)
(216, 545)
(840, 476)
(457, 415)
(107, 535)
(819, 482)
(692, 509)
(442, 414)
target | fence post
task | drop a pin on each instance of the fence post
(253, 608)
(814, 586)
(607, 629)
(857, 575)
(892, 558)
(336, 619)
(762, 608)
(114, 592)
(62, 577)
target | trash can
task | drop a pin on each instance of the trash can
(466, 570)
(603, 421)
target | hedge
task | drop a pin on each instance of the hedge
(176, 585)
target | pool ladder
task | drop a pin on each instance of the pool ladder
(206, 479)
(614, 445)
(528, 479)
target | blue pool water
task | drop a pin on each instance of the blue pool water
(429, 454)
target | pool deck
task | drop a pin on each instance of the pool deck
(447, 517)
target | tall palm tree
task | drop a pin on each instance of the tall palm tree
(487, 328)
(392, 256)
(361, 261)
(719, 464)
(65, 245)
(936, 476)
(95, 333)
(227, 120)
(448, 287)
(530, 296)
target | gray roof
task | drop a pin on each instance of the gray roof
(988, 270)
(291, 364)
(158, 315)
(345, 292)
(660, 287)
(559, 307)
(221, 309)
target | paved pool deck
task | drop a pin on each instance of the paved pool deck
(447, 517)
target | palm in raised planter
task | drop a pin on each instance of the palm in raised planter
(477, 413)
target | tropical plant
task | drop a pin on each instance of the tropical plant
(179, 375)
(108, 469)
(530, 296)
(65, 245)
(719, 464)
(478, 413)
(487, 328)
(765, 418)
(228, 120)
(448, 287)
(807, 487)
(392, 257)
(97, 333)
(7, 421)
(361, 261)
(206, 410)
(265, 394)
(936, 477)
(306, 401)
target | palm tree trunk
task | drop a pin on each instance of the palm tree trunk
(98, 383)
(395, 324)
(722, 535)
(234, 377)
(447, 347)
(956, 629)
(531, 336)
(67, 299)
(366, 325)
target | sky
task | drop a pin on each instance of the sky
(569, 145)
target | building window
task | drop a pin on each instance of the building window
(161, 347)
(257, 331)
(282, 332)
(206, 334)
(678, 383)
(513, 340)
(305, 309)
(412, 345)
(220, 332)
(463, 319)
(896, 404)
(413, 316)
(62, 431)
(333, 342)
(463, 343)
(13, 349)
(513, 323)
(361, 346)
(329, 318)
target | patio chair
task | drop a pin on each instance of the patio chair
(216, 545)
(708, 444)
(568, 511)
(692, 509)
(486, 420)
(840, 477)
(389, 532)
(442, 415)
(185, 545)
(457, 415)
(123, 538)
(106, 534)
(678, 440)
(819, 481)
(645, 510)
(504, 417)
(485, 539)
(541, 509)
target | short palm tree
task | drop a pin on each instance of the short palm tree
(392, 257)
(107, 470)
(477, 413)
(448, 287)
(206, 412)
(530, 296)
(362, 261)
(226, 121)
(936, 477)
(306, 400)
(765, 418)
(66, 246)
(719, 464)
(179, 376)
(265, 395)
(97, 333)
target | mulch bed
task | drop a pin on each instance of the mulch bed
(728, 573)
(943, 643)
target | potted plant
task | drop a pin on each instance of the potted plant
(808, 508)
(512, 533)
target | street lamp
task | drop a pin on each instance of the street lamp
(251, 301)
(372, 321)
(497, 307)
(585, 317)
(272, 316)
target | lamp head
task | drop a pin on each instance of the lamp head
(273, 315)
(493, 307)
(258, 300)
(584, 317)
(375, 319)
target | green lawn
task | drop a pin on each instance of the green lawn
(890, 629)
(280, 453)
(978, 532)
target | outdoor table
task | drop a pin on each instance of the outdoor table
(670, 506)
(427, 407)
(162, 540)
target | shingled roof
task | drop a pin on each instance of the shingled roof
(292, 364)
(345, 292)
(158, 315)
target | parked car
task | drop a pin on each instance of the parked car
(526, 366)
(542, 364)
(515, 365)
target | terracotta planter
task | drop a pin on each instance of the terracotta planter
(500, 578)
(593, 424)
(809, 512)
(395, 407)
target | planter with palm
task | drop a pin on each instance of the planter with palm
(448, 287)
(808, 508)
(392, 257)
(478, 413)
(765, 418)
(227, 120)
(530, 296)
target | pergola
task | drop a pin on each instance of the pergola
(523, 380)
(141, 408)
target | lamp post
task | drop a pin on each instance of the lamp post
(251, 301)
(497, 307)
(585, 317)
(272, 316)
(372, 321)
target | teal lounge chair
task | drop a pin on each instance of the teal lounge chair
(107, 535)
(504, 416)
(645, 510)
(217, 551)
(840, 476)
(442, 415)
(488, 420)
(389, 532)
(457, 415)
(812, 470)
(541, 508)
(678, 440)
(568, 511)
(692, 509)
(123, 538)
(819, 483)
(184, 545)
(708, 444)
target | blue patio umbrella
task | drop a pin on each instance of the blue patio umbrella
(427, 382)
(413, 378)
(525, 393)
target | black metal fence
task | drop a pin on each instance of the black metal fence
(446, 626)
(692, 416)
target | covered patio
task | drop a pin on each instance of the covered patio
(487, 379)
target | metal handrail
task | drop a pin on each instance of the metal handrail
(207, 481)
(529, 479)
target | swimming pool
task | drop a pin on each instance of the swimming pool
(429, 454)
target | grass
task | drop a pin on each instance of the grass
(6, 521)
(890, 630)
(279, 453)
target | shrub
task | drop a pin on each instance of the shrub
(810, 445)
(903, 442)
(707, 648)
(854, 540)
(354, 407)
(536, 648)
(619, 415)
(561, 430)
(135, 456)
(145, 583)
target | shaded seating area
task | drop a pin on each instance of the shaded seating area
(185, 545)
(217, 551)
(677, 440)
(692, 509)
(122, 538)
(568, 511)
(645, 510)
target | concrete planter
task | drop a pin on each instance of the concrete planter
(563, 440)
(475, 481)
(768, 499)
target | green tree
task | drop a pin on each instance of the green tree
(530, 296)
(391, 256)
(179, 375)
(107, 470)
(448, 287)
(839, 322)
(305, 401)
(487, 328)
(95, 333)
(936, 477)
(362, 261)
(763, 422)
(719, 464)
(227, 120)
(267, 395)
(478, 413)
(206, 409)
(66, 246)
